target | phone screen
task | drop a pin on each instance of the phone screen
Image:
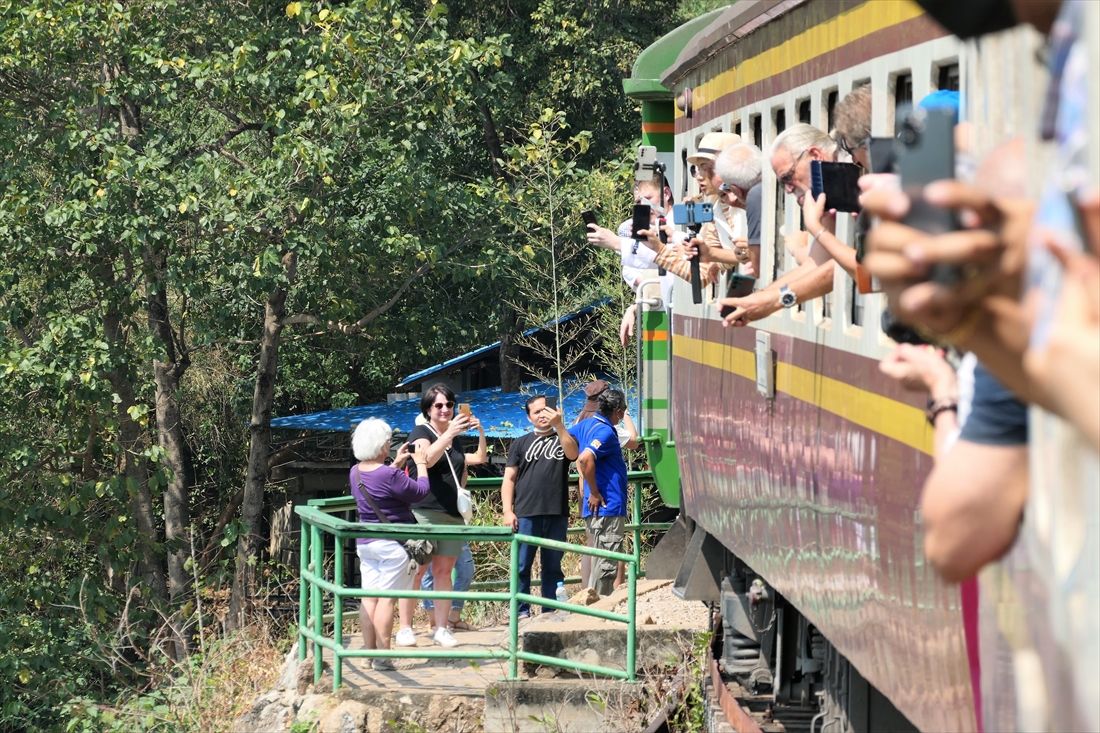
(641, 219)
(839, 182)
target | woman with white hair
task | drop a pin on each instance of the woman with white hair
(383, 495)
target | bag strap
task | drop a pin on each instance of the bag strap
(366, 495)
(454, 475)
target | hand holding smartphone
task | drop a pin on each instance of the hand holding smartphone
(926, 153)
(838, 181)
(588, 217)
(738, 287)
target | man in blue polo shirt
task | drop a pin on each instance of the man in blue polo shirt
(603, 484)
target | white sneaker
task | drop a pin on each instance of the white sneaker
(444, 638)
(406, 637)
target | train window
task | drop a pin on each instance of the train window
(947, 77)
(780, 116)
(903, 89)
(856, 299)
(737, 129)
(804, 111)
(831, 98)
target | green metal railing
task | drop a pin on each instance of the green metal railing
(318, 523)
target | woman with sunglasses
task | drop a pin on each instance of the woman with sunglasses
(446, 474)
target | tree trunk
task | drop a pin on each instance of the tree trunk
(249, 542)
(510, 375)
(167, 373)
(131, 466)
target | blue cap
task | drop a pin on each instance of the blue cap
(943, 99)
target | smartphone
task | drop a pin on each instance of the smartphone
(883, 153)
(641, 219)
(838, 181)
(926, 153)
(464, 408)
(738, 286)
(646, 163)
(589, 217)
(552, 401)
(693, 213)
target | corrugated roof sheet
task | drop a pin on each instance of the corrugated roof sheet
(423, 374)
(502, 414)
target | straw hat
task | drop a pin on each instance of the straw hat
(712, 144)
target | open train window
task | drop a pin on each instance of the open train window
(831, 98)
(757, 131)
(804, 111)
(903, 89)
(856, 299)
(779, 122)
(737, 129)
(780, 117)
(947, 77)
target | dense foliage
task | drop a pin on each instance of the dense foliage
(212, 212)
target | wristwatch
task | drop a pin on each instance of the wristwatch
(787, 297)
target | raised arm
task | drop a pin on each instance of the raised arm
(481, 455)
(568, 442)
(632, 441)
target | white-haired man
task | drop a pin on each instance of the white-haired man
(739, 169)
(790, 157)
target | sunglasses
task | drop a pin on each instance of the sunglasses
(730, 188)
(441, 405)
(848, 147)
(702, 169)
(786, 178)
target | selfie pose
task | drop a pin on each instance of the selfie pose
(535, 493)
(446, 467)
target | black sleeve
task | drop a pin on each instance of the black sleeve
(753, 204)
(515, 451)
(419, 432)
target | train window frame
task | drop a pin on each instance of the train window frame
(776, 116)
(803, 108)
(896, 77)
(830, 98)
(941, 73)
(756, 124)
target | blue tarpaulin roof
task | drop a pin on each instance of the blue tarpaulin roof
(501, 413)
(423, 374)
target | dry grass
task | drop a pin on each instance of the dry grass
(225, 681)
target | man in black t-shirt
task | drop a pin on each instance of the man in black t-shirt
(535, 493)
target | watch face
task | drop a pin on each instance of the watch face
(787, 299)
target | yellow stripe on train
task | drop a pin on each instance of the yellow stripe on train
(904, 423)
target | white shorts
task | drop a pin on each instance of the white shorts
(384, 565)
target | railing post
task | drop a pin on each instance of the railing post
(631, 620)
(303, 587)
(338, 613)
(636, 510)
(513, 610)
(317, 548)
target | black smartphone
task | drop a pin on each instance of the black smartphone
(552, 401)
(883, 153)
(838, 181)
(641, 219)
(926, 153)
(738, 286)
(589, 217)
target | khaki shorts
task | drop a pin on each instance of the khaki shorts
(443, 548)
